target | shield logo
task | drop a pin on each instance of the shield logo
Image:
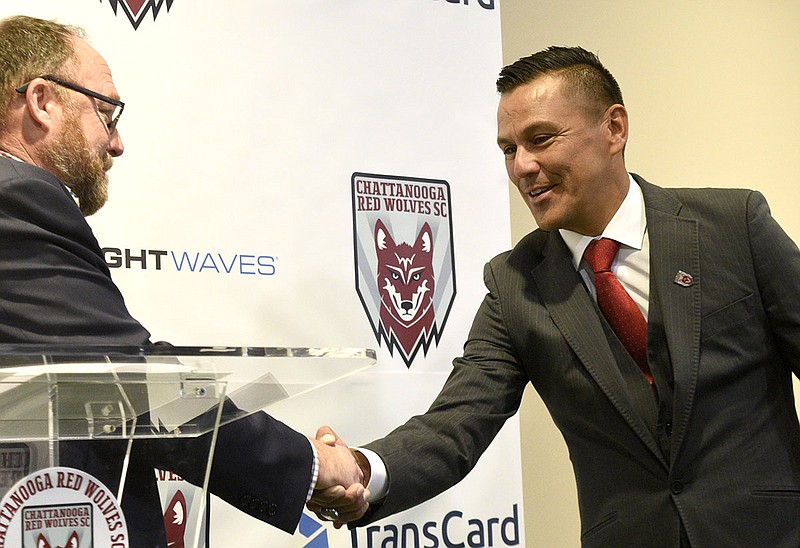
(405, 267)
(136, 10)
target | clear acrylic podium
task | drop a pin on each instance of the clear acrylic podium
(52, 398)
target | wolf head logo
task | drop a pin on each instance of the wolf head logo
(175, 520)
(405, 266)
(406, 284)
(72, 542)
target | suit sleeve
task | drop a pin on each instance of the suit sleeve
(776, 261)
(434, 451)
(261, 466)
(56, 286)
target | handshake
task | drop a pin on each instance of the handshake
(341, 493)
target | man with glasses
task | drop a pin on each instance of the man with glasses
(59, 111)
(111, 113)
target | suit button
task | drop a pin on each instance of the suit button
(668, 428)
(676, 487)
(245, 501)
(272, 510)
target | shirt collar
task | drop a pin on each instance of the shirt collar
(8, 155)
(627, 226)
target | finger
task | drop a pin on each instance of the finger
(328, 496)
(326, 435)
(355, 500)
(352, 515)
(342, 515)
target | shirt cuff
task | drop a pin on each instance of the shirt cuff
(378, 482)
(314, 471)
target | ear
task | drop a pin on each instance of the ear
(41, 103)
(383, 240)
(616, 126)
(425, 239)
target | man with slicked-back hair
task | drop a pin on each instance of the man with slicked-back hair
(679, 414)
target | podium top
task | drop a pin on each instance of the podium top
(154, 390)
(37, 354)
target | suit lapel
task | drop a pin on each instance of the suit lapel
(576, 316)
(674, 246)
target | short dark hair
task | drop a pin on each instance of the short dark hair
(581, 69)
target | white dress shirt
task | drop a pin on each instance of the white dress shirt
(628, 226)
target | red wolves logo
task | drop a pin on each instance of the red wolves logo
(137, 9)
(175, 520)
(72, 542)
(405, 283)
(405, 268)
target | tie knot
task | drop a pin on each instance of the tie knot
(600, 254)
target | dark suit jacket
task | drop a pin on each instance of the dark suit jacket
(55, 288)
(717, 456)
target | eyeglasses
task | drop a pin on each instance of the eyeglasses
(112, 117)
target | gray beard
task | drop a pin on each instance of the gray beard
(79, 168)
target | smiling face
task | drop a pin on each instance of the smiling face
(564, 154)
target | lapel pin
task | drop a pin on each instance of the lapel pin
(684, 279)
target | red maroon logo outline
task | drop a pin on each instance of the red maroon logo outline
(136, 10)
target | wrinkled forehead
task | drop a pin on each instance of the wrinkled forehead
(92, 69)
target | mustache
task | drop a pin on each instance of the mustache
(108, 161)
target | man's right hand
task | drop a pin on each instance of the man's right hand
(341, 495)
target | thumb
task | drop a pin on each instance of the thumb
(326, 435)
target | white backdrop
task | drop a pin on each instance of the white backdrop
(244, 123)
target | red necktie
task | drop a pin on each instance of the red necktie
(616, 304)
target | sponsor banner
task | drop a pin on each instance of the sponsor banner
(453, 529)
(234, 214)
(184, 511)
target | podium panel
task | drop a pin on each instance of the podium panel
(70, 417)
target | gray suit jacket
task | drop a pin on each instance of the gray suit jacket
(718, 458)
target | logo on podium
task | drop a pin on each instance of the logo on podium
(61, 508)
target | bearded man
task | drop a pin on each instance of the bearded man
(59, 111)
